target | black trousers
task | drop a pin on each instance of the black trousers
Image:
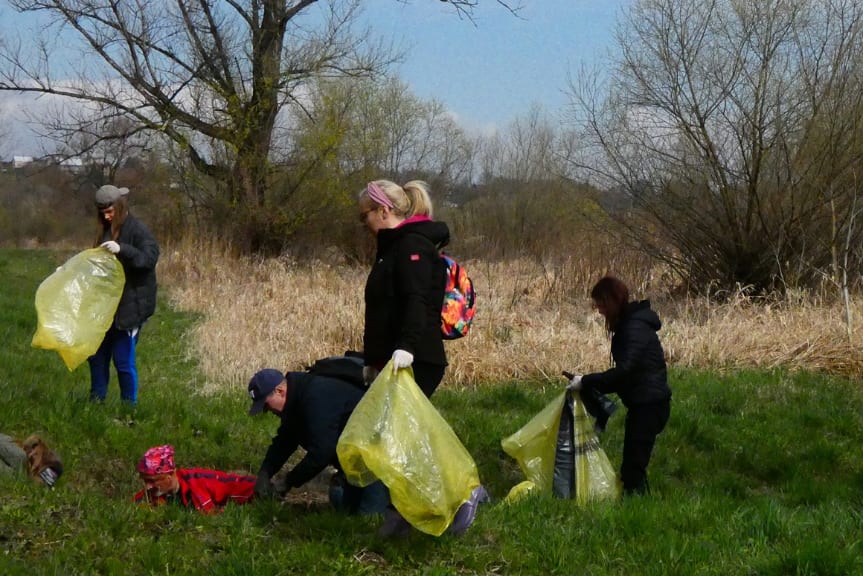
(428, 376)
(644, 422)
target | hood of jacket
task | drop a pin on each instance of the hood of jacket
(642, 312)
(436, 232)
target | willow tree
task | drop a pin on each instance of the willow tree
(733, 129)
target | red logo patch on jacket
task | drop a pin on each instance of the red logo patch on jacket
(415, 257)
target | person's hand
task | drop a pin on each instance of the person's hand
(402, 359)
(369, 374)
(263, 486)
(111, 246)
(574, 383)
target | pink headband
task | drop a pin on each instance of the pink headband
(377, 195)
(157, 460)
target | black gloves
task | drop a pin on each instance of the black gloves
(263, 486)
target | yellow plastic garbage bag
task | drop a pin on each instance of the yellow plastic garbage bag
(536, 447)
(75, 305)
(533, 446)
(396, 435)
(595, 478)
(520, 491)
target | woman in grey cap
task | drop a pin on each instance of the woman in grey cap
(131, 242)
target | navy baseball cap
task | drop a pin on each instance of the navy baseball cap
(261, 386)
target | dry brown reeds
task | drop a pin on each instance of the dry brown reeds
(533, 321)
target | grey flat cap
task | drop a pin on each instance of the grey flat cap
(108, 194)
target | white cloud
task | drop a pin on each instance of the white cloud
(19, 114)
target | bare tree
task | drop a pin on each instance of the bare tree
(465, 8)
(4, 133)
(526, 207)
(105, 145)
(721, 122)
(212, 76)
(396, 134)
(355, 131)
(203, 73)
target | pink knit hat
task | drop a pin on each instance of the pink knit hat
(157, 460)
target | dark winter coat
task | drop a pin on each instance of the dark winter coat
(139, 253)
(12, 456)
(404, 294)
(316, 411)
(639, 374)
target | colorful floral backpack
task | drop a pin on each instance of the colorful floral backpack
(459, 301)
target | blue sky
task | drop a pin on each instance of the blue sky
(487, 71)
(491, 70)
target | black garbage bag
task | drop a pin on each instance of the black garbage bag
(581, 469)
(598, 405)
(559, 452)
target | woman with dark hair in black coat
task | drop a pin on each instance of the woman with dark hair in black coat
(638, 376)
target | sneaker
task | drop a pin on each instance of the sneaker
(467, 512)
(394, 526)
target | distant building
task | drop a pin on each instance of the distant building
(21, 161)
(73, 164)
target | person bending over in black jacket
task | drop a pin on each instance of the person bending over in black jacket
(313, 410)
(638, 376)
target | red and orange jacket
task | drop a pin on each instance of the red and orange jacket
(206, 490)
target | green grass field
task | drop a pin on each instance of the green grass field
(757, 473)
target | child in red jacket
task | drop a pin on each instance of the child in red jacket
(205, 490)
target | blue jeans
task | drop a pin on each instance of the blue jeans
(344, 497)
(118, 345)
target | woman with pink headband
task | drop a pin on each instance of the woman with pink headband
(405, 287)
(404, 293)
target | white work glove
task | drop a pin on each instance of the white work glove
(111, 246)
(402, 359)
(574, 383)
(369, 374)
